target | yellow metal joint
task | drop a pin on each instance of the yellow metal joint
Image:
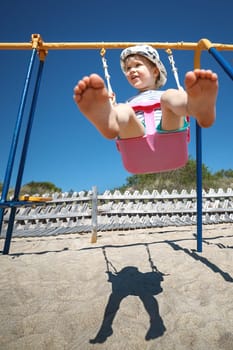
(37, 43)
(204, 44)
(42, 54)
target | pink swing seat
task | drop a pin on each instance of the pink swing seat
(154, 152)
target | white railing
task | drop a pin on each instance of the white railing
(82, 212)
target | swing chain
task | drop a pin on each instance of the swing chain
(112, 96)
(174, 68)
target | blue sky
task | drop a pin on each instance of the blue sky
(65, 148)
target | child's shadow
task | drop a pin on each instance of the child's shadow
(130, 281)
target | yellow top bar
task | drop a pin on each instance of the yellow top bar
(203, 44)
(43, 47)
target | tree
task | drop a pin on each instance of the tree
(183, 178)
(40, 188)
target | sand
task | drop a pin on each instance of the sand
(138, 289)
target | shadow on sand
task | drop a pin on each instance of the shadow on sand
(130, 281)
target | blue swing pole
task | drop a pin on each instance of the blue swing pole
(15, 139)
(198, 167)
(199, 185)
(229, 70)
(221, 60)
(23, 157)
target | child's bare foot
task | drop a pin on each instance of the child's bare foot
(202, 87)
(92, 98)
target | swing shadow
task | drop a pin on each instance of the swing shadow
(225, 275)
(130, 281)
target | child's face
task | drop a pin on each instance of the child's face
(140, 72)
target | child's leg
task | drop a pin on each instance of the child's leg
(92, 98)
(197, 101)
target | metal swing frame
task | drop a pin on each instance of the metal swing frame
(37, 45)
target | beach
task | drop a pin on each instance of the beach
(139, 289)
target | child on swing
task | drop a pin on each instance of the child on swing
(146, 73)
